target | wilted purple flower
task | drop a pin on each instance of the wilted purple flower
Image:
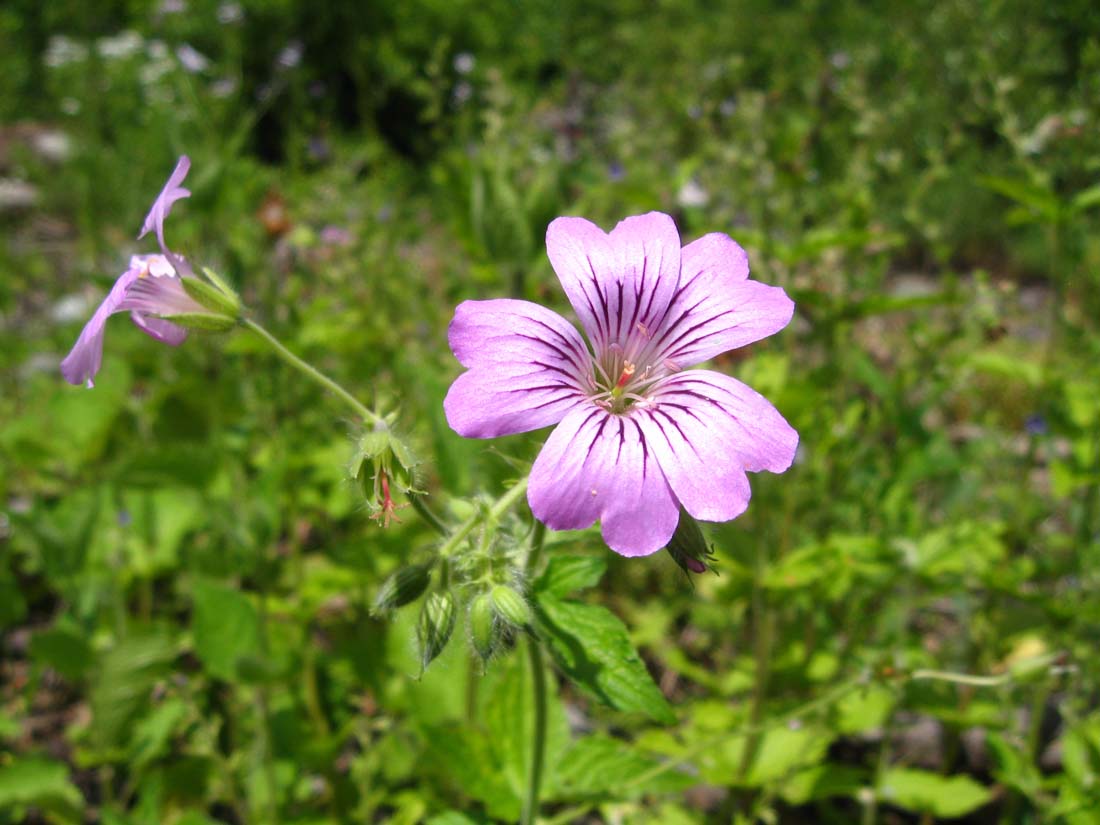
(150, 287)
(638, 435)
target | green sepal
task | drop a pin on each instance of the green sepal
(212, 297)
(201, 320)
(222, 284)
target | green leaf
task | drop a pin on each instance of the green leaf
(1081, 753)
(63, 649)
(41, 783)
(822, 782)
(1026, 193)
(599, 765)
(567, 574)
(925, 792)
(226, 627)
(593, 648)
(153, 735)
(864, 709)
(453, 818)
(13, 607)
(1086, 199)
(127, 673)
(466, 755)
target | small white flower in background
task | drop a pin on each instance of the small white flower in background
(156, 50)
(229, 13)
(119, 46)
(692, 194)
(223, 87)
(290, 56)
(192, 59)
(464, 62)
(168, 7)
(62, 50)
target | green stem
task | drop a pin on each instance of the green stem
(426, 513)
(538, 741)
(312, 372)
(501, 506)
(762, 630)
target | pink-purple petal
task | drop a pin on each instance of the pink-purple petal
(159, 330)
(596, 465)
(648, 247)
(172, 192)
(160, 295)
(716, 307)
(732, 416)
(85, 358)
(582, 255)
(527, 368)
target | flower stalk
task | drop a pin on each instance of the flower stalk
(538, 687)
(314, 374)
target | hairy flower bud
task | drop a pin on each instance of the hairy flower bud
(482, 624)
(688, 546)
(510, 606)
(404, 586)
(437, 623)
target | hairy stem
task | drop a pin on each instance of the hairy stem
(425, 512)
(501, 506)
(313, 373)
(538, 739)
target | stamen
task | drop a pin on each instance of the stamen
(628, 373)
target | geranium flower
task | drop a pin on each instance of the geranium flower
(150, 287)
(638, 434)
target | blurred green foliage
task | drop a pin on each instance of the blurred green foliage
(904, 626)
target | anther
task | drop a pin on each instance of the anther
(628, 373)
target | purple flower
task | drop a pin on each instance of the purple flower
(151, 286)
(638, 435)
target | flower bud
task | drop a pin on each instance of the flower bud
(403, 587)
(510, 606)
(482, 624)
(688, 546)
(437, 622)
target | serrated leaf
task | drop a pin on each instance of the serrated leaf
(41, 783)
(599, 765)
(126, 675)
(592, 647)
(926, 792)
(226, 628)
(565, 575)
(506, 709)
(465, 754)
(62, 649)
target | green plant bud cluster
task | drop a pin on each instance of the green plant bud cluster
(436, 624)
(403, 587)
(483, 627)
(689, 548)
(510, 606)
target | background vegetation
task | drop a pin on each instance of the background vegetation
(905, 625)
